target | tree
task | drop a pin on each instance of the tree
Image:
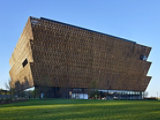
(9, 88)
(7, 85)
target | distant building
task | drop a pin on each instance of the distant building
(59, 59)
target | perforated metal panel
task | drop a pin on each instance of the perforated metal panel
(62, 55)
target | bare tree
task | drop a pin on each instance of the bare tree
(7, 85)
(9, 88)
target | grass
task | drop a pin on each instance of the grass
(61, 109)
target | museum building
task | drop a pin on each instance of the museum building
(66, 61)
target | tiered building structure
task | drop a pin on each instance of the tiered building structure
(57, 58)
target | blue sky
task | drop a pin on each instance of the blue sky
(137, 20)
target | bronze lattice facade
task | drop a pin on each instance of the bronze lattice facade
(55, 54)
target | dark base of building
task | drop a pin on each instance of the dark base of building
(51, 92)
(79, 93)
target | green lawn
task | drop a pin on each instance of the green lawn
(59, 109)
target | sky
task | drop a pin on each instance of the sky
(137, 20)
